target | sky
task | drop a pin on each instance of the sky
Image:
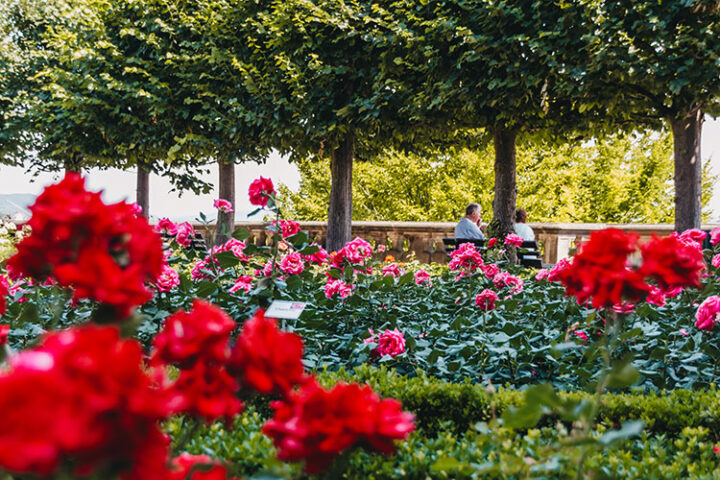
(120, 185)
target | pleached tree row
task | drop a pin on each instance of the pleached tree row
(169, 88)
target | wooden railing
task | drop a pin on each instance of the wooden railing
(424, 239)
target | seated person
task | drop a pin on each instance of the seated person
(522, 228)
(469, 226)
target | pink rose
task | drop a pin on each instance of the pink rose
(693, 235)
(260, 191)
(707, 313)
(292, 263)
(490, 270)
(168, 279)
(625, 307)
(656, 296)
(165, 225)
(200, 270)
(391, 269)
(486, 299)
(716, 261)
(223, 205)
(505, 279)
(287, 228)
(557, 268)
(513, 239)
(242, 283)
(581, 335)
(391, 342)
(319, 257)
(715, 236)
(465, 257)
(380, 248)
(421, 276)
(136, 209)
(542, 274)
(185, 234)
(338, 287)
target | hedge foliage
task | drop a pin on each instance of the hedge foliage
(458, 438)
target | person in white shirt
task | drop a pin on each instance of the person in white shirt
(470, 225)
(522, 228)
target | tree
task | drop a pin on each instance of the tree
(618, 179)
(508, 66)
(333, 60)
(658, 61)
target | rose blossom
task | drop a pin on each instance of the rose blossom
(513, 239)
(694, 235)
(505, 279)
(380, 248)
(319, 257)
(260, 191)
(656, 296)
(542, 274)
(292, 263)
(337, 287)
(581, 335)
(716, 261)
(265, 358)
(355, 252)
(82, 395)
(421, 276)
(391, 269)
(243, 282)
(490, 270)
(486, 299)
(715, 236)
(185, 234)
(167, 226)
(707, 313)
(391, 342)
(492, 242)
(288, 228)
(4, 290)
(465, 257)
(168, 279)
(4, 332)
(672, 262)
(202, 333)
(317, 425)
(223, 205)
(185, 463)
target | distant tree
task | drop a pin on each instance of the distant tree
(618, 179)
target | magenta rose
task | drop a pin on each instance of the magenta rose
(260, 191)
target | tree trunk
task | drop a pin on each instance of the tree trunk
(687, 131)
(340, 210)
(142, 195)
(505, 186)
(226, 221)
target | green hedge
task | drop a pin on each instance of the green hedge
(500, 453)
(443, 406)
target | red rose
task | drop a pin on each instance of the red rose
(202, 333)
(205, 391)
(486, 299)
(316, 425)
(82, 395)
(105, 252)
(4, 290)
(599, 270)
(185, 464)
(672, 262)
(265, 358)
(4, 332)
(260, 191)
(492, 242)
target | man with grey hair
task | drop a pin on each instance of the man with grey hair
(469, 226)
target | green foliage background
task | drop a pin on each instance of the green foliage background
(617, 179)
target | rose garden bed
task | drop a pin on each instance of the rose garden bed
(595, 366)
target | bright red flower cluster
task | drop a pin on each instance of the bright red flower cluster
(266, 359)
(316, 425)
(260, 191)
(198, 343)
(105, 252)
(82, 394)
(672, 262)
(600, 270)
